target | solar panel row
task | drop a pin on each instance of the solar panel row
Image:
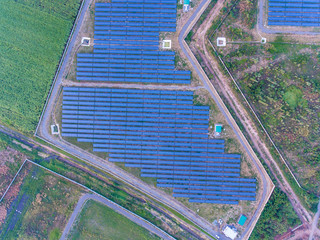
(305, 13)
(204, 187)
(221, 157)
(215, 192)
(205, 180)
(160, 139)
(168, 163)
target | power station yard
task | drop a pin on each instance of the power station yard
(210, 212)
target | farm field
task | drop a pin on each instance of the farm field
(280, 79)
(100, 222)
(34, 34)
(33, 207)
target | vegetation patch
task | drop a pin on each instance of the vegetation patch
(10, 162)
(293, 97)
(33, 36)
(97, 221)
(36, 209)
(277, 217)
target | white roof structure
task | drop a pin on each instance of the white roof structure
(55, 129)
(85, 41)
(221, 41)
(229, 232)
(166, 44)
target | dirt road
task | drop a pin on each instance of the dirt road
(70, 83)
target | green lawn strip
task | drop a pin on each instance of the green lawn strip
(183, 218)
(34, 34)
(97, 221)
(8, 141)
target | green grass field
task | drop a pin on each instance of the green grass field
(33, 36)
(97, 221)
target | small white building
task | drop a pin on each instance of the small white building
(221, 41)
(217, 130)
(166, 44)
(230, 232)
(55, 129)
(85, 41)
(186, 5)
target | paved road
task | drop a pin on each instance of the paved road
(315, 222)
(267, 184)
(43, 132)
(133, 217)
(267, 30)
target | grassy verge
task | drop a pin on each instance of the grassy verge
(98, 221)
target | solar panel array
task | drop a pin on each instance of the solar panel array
(305, 13)
(126, 44)
(162, 133)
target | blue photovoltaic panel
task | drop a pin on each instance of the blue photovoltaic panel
(233, 193)
(205, 187)
(303, 13)
(158, 131)
(131, 31)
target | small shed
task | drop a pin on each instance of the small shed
(230, 232)
(221, 42)
(217, 129)
(186, 4)
(242, 220)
